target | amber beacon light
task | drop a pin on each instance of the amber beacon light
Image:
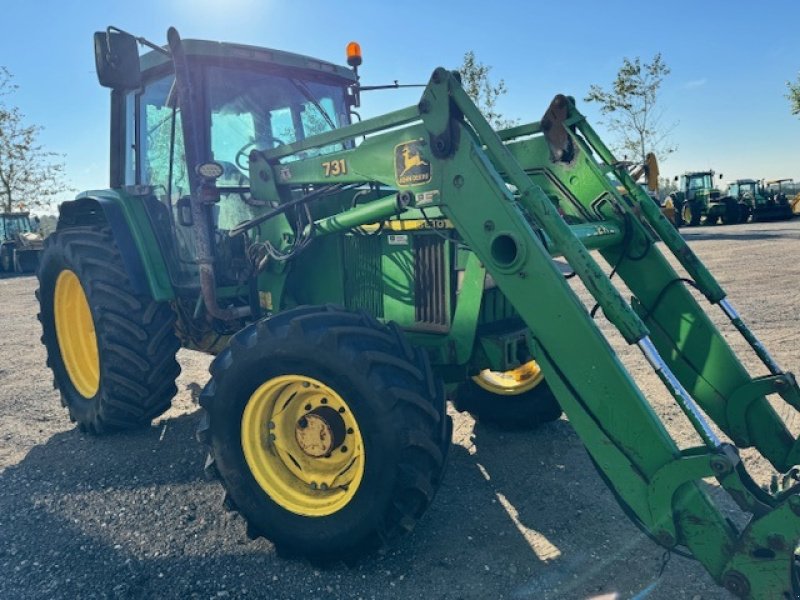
(353, 54)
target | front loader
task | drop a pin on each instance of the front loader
(349, 274)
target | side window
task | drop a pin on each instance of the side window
(156, 130)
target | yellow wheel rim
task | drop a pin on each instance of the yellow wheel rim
(687, 213)
(303, 446)
(76, 336)
(511, 383)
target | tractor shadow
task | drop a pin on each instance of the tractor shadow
(519, 515)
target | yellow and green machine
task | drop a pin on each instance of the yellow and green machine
(351, 275)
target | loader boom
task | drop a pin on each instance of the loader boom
(561, 160)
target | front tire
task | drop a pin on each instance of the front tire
(6, 259)
(515, 399)
(691, 213)
(328, 431)
(112, 351)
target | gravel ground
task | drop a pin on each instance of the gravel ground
(520, 515)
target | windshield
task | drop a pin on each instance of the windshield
(255, 110)
(700, 182)
(11, 226)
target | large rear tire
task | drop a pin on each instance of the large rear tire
(515, 399)
(112, 351)
(328, 431)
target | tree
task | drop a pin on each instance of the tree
(29, 174)
(794, 95)
(475, 81)
(631, 105)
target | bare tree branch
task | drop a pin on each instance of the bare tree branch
(484, 93)
(794, 95)
(29, 175)
(632, 111)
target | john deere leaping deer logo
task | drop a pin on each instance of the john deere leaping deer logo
(409, 166)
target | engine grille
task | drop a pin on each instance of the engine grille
(431, 306)
(363, 274)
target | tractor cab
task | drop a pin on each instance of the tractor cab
(173, 135)
(699, 185)
(778, 190)
(748, 191)
(12, 224)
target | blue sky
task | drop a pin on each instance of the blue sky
(729, 60)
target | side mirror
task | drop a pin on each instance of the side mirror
(116, 59)
(720, 175)
(676, 178)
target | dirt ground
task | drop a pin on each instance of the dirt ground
(520, 515)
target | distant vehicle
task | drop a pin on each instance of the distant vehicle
(786, 189)
(20, 245)
(698, 201)
(762, 203)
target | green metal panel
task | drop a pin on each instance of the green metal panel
(143, 236)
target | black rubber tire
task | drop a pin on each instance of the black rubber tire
(695, 210)
(135, 335)
(523, 411)
(390, 388)
(732, 214)
(6, 260)
(745, 213)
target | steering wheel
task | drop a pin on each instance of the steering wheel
(264, 143)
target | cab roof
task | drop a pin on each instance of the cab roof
(253, 54)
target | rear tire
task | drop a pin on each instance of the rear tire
(281, 374)
(526, 407)
(113, 357)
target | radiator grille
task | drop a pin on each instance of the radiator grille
(363, 274)
(431, 308)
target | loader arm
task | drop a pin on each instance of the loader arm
(550, 188)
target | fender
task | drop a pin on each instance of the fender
(133, 235)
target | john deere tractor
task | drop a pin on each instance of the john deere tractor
(350, 275)
(699, 202)
(757, 201)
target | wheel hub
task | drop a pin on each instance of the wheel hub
(302, 444)
(320, 432)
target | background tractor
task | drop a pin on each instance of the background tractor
(698, 201)
(759, 202)
(348, 275)
(783, 192)
(20, 243)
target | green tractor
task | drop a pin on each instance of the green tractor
(757, 201)
(698, 202)
(351, 275)
(20, 243)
